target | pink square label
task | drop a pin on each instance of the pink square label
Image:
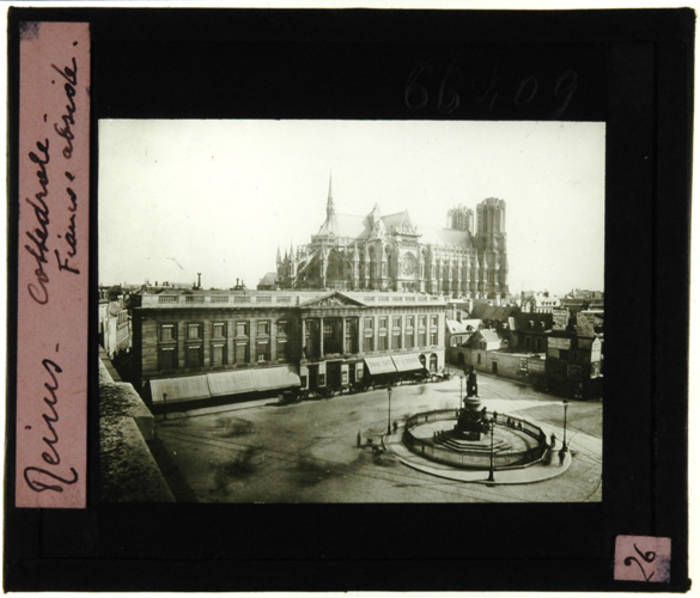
(643, 558)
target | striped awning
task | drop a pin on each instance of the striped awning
(279, 377)
(255, 380)
(380, 365)
(180, 389)
(229, 383)
(406, 363)
(190, 388)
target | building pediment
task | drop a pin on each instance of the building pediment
(332, 300)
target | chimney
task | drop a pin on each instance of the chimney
(199, 280)
(236, 282)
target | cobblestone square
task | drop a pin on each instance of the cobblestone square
(308, 452)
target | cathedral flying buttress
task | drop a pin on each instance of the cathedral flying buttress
(467, 258)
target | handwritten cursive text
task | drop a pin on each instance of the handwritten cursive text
(40, 479)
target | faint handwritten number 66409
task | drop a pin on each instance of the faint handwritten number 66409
(647, 557)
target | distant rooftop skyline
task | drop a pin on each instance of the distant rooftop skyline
(218, 197)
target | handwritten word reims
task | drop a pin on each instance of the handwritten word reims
(38, 478)
(39, 236)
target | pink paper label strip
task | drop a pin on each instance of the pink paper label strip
(52, 314)
(643, 558)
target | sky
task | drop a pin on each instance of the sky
(179, 197)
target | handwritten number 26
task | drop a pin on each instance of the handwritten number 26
(647, 557)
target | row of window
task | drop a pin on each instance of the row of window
(409, 338)
(194, 354)
(194, 330)
(396, 322)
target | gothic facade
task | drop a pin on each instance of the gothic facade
(468, 258)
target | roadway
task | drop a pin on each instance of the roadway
(262, 452)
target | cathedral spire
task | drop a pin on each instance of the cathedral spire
(330, 206)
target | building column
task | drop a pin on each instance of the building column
(303, 335)
(342, 335)
(320, 335)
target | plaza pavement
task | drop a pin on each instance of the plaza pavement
(307, 452)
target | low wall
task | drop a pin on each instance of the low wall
(508, 363)
(128, 470)
(501, 460)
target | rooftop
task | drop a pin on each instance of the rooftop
(243, 299)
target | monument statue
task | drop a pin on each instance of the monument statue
(471, 420)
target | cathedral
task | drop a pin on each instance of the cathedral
(391, 253)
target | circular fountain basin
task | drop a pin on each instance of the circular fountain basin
(434, 435)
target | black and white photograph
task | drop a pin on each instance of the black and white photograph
(333, 317)
(337, 311)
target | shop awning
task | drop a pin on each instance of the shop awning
(180, 389)
(406, 363)
(280, 377)
(380, 365)
(230, 383)
(220, 384)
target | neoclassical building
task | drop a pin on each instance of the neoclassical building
(468, 258)
(198, 345)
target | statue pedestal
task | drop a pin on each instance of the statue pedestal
(470, 424)
(466, 435)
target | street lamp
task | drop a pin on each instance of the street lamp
(459, 403)
(388, 426)
(165, 412)
(492, 425)
(566, 406)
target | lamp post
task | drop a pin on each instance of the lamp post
(165, 412)
(492, 425)
(459, 403)
(388, 425)
(566, 406)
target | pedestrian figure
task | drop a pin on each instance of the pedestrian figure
(562, 454)
(359, 438)
(495, 416)
(396, 426)
(554, 439)
(520, 425)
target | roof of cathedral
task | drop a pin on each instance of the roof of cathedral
(436, 235)
(346, 225)
(360, 228)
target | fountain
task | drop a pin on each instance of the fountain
(511, 441)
